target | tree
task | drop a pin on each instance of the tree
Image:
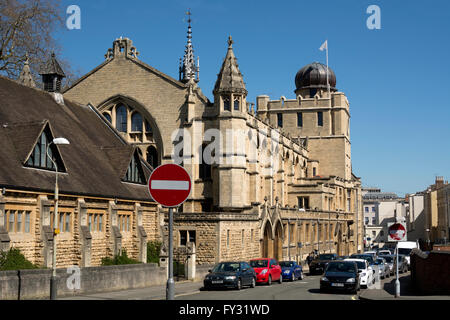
(27, 30)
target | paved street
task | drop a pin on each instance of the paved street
(307, 289)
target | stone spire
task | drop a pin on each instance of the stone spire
(230, 79)
(26, 78)
(188, 70)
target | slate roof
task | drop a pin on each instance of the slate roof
(52, 67)
(96, 160)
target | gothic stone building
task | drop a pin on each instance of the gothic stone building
(103, 203)
(280, 183)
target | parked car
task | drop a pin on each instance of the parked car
(291, 270)
(341, 275)
(390, 263)
(372, 253)
(267, 270)
(402, 263)
(364, 256)
(319, 264)
(233, 274)
(366, 272)
(342, 257)
(384, 252)
(383, 268)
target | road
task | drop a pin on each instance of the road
(307, 289)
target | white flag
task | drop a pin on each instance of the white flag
(324, 46)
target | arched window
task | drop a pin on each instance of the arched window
(152, 156)
(226, 104)
(136, 122)
(108, 117)
(236, 103)
(121, 118)
(204, 167)
(148, 128)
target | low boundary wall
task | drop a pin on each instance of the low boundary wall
(35, 284)
(430, 273)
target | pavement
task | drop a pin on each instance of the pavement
(387, 291)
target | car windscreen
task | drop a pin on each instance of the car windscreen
(341, 267)
(286, 264)
(404, 251)
(259, 263)
(367, 257)
(226, 267)
(326, 256)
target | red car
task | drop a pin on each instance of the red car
(267, 270)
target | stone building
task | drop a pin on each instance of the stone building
(437, 211)
(260, 187)
(104, 206)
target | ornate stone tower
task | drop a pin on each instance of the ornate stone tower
(188, 70)
(230, 104)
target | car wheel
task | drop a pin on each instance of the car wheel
(269, 281)
(301, 276)
(239, 285)
(280, 281)
(293, 277)
(373, 280)
(253, 283)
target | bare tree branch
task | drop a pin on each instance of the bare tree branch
(27, 28)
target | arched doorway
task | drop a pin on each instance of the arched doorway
(278, 242)
(267, 246)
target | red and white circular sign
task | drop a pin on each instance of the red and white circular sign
(169, 185)
(397, 232)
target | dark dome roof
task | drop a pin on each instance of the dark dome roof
(314, 75)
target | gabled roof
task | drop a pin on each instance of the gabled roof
(96, 159)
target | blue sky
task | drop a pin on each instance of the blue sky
(397, 78)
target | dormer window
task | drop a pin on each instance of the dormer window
(39, 158)
(135, 174)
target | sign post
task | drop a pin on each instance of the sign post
(170, 186)
(396, 233)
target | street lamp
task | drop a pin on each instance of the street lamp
(53, 282)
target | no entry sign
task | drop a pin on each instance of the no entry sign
(169, 185)
(397, 232)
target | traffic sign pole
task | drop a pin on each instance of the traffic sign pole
(170, 288)
(397, 282)
(170, 185)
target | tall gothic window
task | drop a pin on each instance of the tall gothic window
(226, 104)
(320, 119)
(280, 120)
(236, 103)
(204, 168)
(136, 122)
(121, 118)
(299, 119)
(152, 156)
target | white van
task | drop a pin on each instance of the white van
(405, 248)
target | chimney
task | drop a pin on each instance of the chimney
(52, 74)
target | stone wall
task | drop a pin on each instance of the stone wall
(102, 235)
(430, 274)
(35, 284)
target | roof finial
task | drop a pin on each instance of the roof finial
(230, 42)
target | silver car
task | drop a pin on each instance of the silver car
(390, 259)
(383, 268)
